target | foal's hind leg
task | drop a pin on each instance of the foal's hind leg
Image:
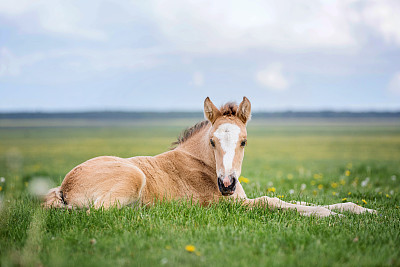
(103, 182)
(120, 195)
(123, 192)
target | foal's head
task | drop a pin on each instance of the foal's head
(228, 137)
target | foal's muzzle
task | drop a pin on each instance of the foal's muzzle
(227, 189)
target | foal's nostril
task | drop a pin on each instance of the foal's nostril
(227, 185)
(227, 181)
(232, 186)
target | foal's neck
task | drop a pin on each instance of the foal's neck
(198, 147)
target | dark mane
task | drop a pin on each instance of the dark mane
(189, 132)
(229, 109)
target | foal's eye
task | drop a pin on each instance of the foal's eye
(243, 143)
(212, 143)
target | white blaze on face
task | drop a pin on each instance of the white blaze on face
(228, 136)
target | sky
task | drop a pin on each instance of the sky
(58, 55)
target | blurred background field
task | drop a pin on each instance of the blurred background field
(283, 153)
(318, 160)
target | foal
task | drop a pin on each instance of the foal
(204, 166)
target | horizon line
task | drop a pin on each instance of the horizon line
(4, 112)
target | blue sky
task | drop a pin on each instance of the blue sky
(169, 55)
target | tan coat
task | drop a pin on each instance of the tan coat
(188, 171)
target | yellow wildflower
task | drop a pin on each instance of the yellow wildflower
(290, 176)
(334, 185)
(318, 176)
(334, 193)
(363, 200)
(1, 188)
(314, 192)
(320, 186)
(342, 182)
(168, 247)
(347, 173)
(349, 193)
(190, 248)
(244, 180)
(313, 182)
(271, 189)
(344, 199)
(387, 195)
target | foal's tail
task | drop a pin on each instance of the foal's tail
(54, 199)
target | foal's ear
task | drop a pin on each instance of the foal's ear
(211, 112)
(244, 110)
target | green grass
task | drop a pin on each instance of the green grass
(328, 160)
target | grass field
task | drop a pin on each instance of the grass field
(321, 163)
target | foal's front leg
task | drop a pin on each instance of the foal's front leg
(276, 203)
(348, 206)
(351, 207)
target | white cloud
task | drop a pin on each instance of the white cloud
(103, 60)
(69, 18)
(272, 78)
(394, 84)
(17, 7)
(198, 79)
(225, 26)
(384, 18)
(299, 25)
(82, 60)
(216, 26)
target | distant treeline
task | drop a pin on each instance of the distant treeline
(116, 115)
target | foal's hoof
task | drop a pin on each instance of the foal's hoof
(358, 209)
(369, 211)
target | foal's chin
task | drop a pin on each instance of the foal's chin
(225, 194)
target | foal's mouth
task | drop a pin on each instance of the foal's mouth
(227, 190)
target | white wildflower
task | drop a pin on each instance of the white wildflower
(365, 182)
(39, 186)
(291, 191)
(303, 186)
(393, 178)
(2, 179)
